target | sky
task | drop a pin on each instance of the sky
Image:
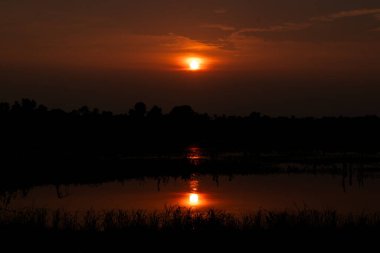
(289, 57)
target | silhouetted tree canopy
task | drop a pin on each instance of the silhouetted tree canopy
(139, 111)
(183, 112)
(155, 113)
(91, 131)
(28, 106)
(4, 108)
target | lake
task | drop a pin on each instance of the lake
(236, 194)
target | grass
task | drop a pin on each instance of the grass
(177, 219)
(179, 229)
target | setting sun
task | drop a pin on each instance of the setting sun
(194, 64)
(194, 199)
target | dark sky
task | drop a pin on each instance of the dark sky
(301, 57)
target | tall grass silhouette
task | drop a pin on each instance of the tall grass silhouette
(178, 219)
(175, 229)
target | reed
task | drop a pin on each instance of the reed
(178, 219)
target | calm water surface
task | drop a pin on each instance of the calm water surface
(237, 195)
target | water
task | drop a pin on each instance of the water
(238, 194)
(321, 189)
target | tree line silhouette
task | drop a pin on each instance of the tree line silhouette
(41, 145)
(28, 127)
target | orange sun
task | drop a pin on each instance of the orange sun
(194, 64)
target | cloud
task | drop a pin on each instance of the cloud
(219, 27)
(345, 14)
(220, 11)
(286, 27)
(177, 43)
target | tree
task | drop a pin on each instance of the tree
(255, 115)
(155, 113)
(139, 111)
(84, 110)
(42, 109)
(183, 112)
(4, 108)
(28, 105)
(16, 107)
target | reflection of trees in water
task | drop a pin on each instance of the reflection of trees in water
(6, 197)
(348, 175)
(161, 180)
(360, 173)
(193, 182)
(348, 172)
(61, 191)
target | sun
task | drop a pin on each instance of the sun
(194, 64)
(194, 199)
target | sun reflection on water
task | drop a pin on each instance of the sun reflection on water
(194, 196)
(193, 199)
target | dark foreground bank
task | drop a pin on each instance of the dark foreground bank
(178, 229)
